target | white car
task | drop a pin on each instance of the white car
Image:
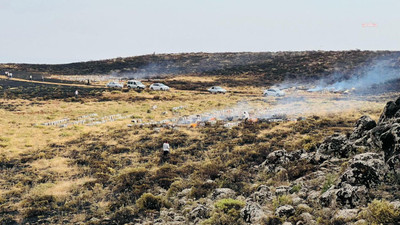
(135, 84)
(114, 84)
(159, 87)
(216, 89)
(273, 92)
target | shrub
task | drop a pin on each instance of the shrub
(131, 180)
(381, 212)
(296, 188)
(165, 175)
(201, 189)
(150, 202)
(329, 182)
(227, 211)
(282, 200)
(271, 220)
(300, 169)
(39, 206)
(124, 215)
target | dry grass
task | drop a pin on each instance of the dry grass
(66, 162)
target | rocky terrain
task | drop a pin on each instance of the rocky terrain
(335, 167)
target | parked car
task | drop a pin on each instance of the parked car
(216, 89)
(135, 84)
(159, 87)
(114, 84)
(273, 92)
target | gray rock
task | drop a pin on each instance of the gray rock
(282, 190)
(328, 198)
(334, 145)
(351, 196)
(396, 204)
(274, 159)
(221, 193)
(286, 210)
(346, 215)
(390, 141)
(200, 211)
(363, 125)
(390, 110)
(366, 169)
(251, 212)
(262, 195)
(313, 196)
(307, 218)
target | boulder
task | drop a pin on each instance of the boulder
(389, 111)
(351, 196)
(282, 190)
(274, 159)
(363, 125)
(334, 145)
(285, 210)
(366, 169)
(262, 195)
(221, 193)
(328, 198)
(199, 211)
(390, 141)
(307, 218)
(251, 212)
(346, 215)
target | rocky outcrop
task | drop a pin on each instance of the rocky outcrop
(199, 212)
(366, 169)
(336, 145)
(285, 210)
(221, 193)
(262, 195)
(251, 212)
(390, 111)
(363, 125)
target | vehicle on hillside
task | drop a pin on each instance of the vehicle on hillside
(273, 92)
(114, 84)
(135, 84)
(216, 89)
(159, 87)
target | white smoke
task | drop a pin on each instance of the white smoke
(378, 73)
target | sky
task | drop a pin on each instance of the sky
(64, 31)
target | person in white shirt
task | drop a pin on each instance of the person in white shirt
(76, 93)
(246, 116)
(166, 148)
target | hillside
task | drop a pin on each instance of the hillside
(317, 155)
(272, 64)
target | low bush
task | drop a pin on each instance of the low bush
(150, 202)
(381, 212)
(227, 211)
(39, 206)
(201, 189)
(329, 182)
(124, 215)
(282, 200)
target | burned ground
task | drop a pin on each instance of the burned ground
(260, 172)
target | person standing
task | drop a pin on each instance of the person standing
(76, 93)
(246, 116)
(30, 77)
(166, 148)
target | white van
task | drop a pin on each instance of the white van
(135, 84)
